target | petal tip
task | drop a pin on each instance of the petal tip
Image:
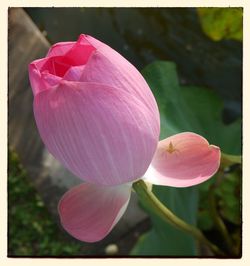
(196, 162)
(88, 212)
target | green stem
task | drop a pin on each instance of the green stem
(228, 160)
(162, 211)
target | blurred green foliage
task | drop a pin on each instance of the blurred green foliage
(227, 190)
(222, 23)
(31, 229)
(228, 193)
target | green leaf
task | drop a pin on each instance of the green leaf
(148, 245)
(164, 239)
(163, 81)
(183, 108)
(207, 108)
(222, 23)
(189, 108)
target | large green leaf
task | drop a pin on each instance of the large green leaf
(207, 108)
(222, 23)
(164, 239)
(183, 109)
(163, 81)
(189, 108)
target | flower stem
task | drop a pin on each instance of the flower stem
(162, 211)
(228, 160)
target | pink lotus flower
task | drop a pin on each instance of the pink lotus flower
(96, 114)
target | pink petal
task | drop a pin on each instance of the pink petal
(74, 73)
(41, 80)
(57, 66)
(62, 56)
(60, 48)
(37, 83)
(39, 63)
(77, 55)
(108, 67)
(80, 52)
(90, 212)
(49, 79)
(101, 134)
(183, 160)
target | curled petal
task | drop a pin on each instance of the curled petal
(41, 79)
(36, 81)
(98, 132)
(62, 56)
(80, 52)
(183, 160)
(60, 48)
(89, 212)
(49, 79)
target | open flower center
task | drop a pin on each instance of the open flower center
(77, 56)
